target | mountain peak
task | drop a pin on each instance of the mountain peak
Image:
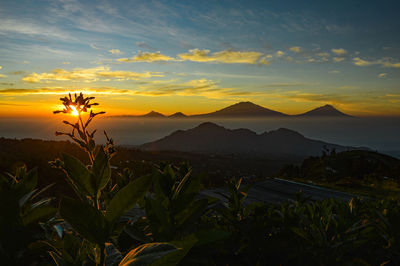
(208, 125)
(177, 115)
(326, 110)
(243, 109)
(153, 114)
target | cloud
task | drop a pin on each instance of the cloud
(60, 90)
(334, 71)
(279, 53)
(87, 75)
(382, 75)
(390, 64)
(227, 56)
(339, 51)
(382, 62)
(1, 67)
(266, 60)
(19, 72)
(322, 98)
(115, 51)
(338, 59)
(296, 49)
(360, 62)
(323, 54)
(12, 104)
(28, 27)
(144, 45)
(92, 45)
(147, 57)
(198, 87)
(2, 76)
(66, 63)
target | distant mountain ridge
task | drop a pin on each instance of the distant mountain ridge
(242, 109)
(212, 138)
(249, 109)
(326, 110)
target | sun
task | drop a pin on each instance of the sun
(74, 111)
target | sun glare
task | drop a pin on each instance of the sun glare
(74, 111)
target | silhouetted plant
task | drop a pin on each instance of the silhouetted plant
(23, 214)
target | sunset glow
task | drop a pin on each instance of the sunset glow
(194, 58)
(74, 111)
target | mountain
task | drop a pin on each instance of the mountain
(212, 138)
(152, 114)
(326, 110)
(178, 115)
(249, 109)
(242, 109)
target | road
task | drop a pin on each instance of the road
(275, 190)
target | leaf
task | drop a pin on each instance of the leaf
(190, 216)
(206, 237)
(101, 170)
(79, 174)
(85, 219)
(39, 214)
(126, 198)
(147, 254)
(27, 182)
(174, 258)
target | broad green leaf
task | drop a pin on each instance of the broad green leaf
(126, 198)
(147, 254)
(174, 258)
(85, 219)
(101, 170)
(39, 214)
(192, 214)
(79, 174)
(27, 181)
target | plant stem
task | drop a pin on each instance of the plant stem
(91, 156)
(102, 255)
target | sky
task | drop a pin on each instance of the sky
(200, 56)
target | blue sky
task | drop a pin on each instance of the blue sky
(196, 56)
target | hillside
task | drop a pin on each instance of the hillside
(212, 138)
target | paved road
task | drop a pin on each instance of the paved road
(275, 190)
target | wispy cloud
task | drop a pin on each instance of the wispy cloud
(147, 57)
(339, 59)
(339, 51)
(205, 56)
(31, 28)
(115, 51)
(61, 90)
(228, 57)
(279, 53)
(360, 62)
(87, 75)
(320, 98)
(385, 62)
(296, 49)
(94, 46)
(382, 75)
